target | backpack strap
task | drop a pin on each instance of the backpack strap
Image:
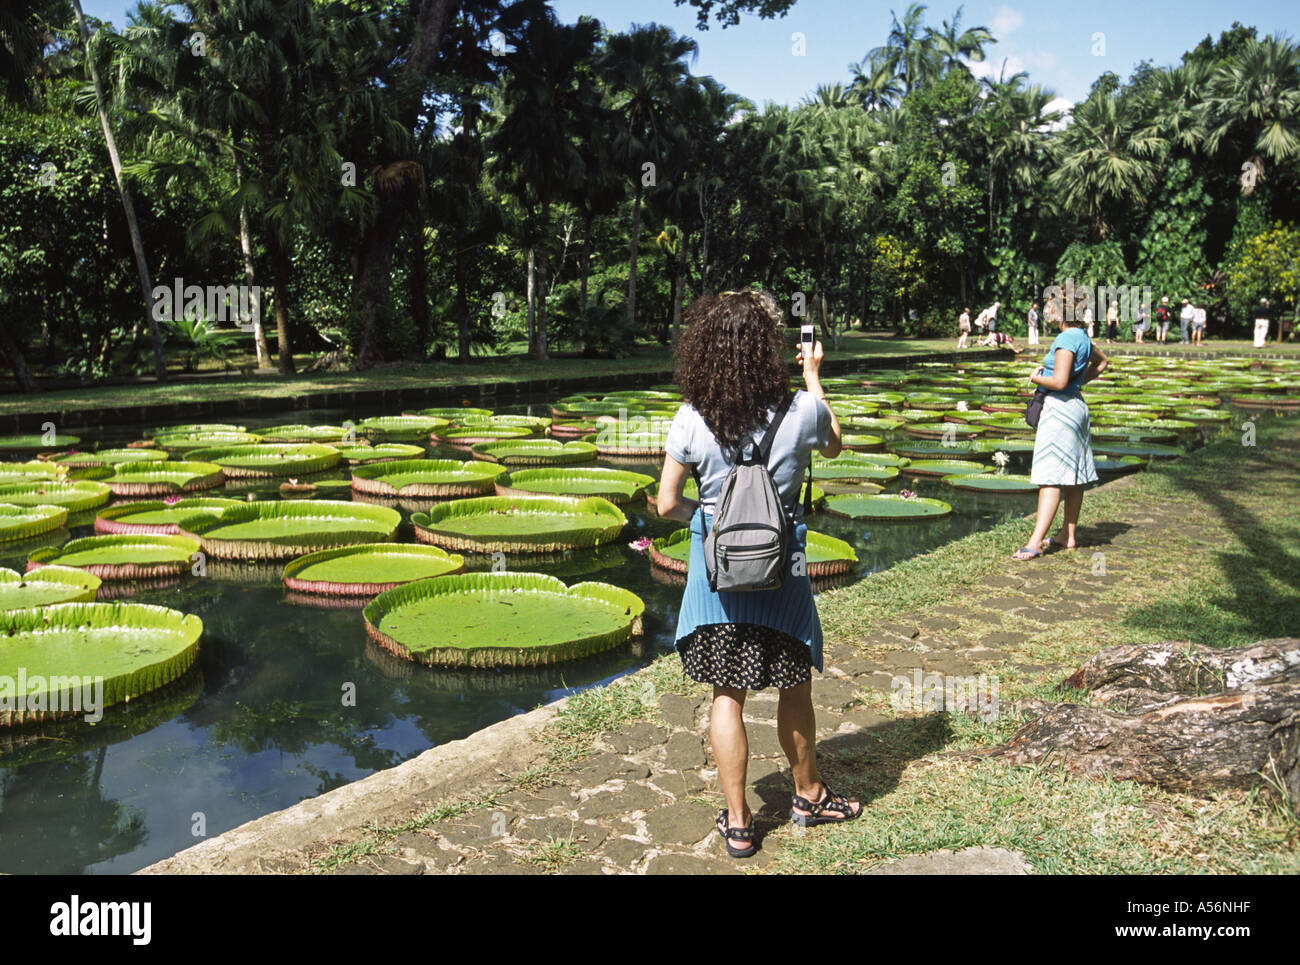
(769, 437)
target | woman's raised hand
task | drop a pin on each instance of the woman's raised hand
(813, 363)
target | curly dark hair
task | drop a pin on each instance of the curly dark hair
(729, 362)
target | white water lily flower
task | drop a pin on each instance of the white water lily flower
(962, 407)
(1001, 458)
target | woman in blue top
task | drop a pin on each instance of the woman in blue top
(733, 378)
(1063, 463)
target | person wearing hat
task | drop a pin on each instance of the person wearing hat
(1163, 317)
(1185, 320)
(1263, 315)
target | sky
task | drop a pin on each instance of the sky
(1063, 46)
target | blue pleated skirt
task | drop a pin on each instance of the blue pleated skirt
(790, 609)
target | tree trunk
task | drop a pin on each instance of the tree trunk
(462, 309)
(679, 290)
(132, 226)
(584, 272)
(531, 296)
(418, 288)
(636, 247)
(283, 270)
(1186, 718)
(250, 277)
(13, 353)
(539, 346)
(374, 274)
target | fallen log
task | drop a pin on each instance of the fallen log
(1179, 716)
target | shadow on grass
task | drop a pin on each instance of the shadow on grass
(866, 765)
(1256, 595)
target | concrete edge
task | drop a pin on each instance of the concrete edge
(275, 843)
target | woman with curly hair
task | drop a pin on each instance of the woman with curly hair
(734, 385)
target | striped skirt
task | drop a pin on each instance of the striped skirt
(1063, 444)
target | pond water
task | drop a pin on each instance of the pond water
(260, 723)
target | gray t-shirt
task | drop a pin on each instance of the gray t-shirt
(807, 426)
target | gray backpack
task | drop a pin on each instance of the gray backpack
(747, 547)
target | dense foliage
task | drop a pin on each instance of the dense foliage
(431, 178)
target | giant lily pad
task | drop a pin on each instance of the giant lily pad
(46, 586)
(15, 472)
(941, 449)
(465, 437)
(159, 516)
(534, 452)
(164, 478)
(520, 524)
(452, 414)
(187, 442)
(305, 433)
(944, 467)
(269, 461)
(1117, 464)
(75, 497)
(616, 485)
(887, 507)
(37, 443)
(991, 482)
(1145, 450)
(426, 478)
(848, 468)
(108, 457)
(501, 620)
(401, 428)
(382, 452)
(64, 651)
(368, 570)
(122, 556)
(281, 530)
(24, 522)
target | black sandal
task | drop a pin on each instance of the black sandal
(832, 802)
(737, 834)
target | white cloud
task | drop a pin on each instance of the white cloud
(1005, 21)
(1065, 106)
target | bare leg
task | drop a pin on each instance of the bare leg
(1072, 499)
(731, 751)
(796, 728)
(1049, 498)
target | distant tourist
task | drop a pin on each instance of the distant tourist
(1032, 320)
(1185, 320)
(1112, 322)
(963, 328)
(993, 316)
(1263, 315)
(1198, 324)
(1088, 320)
(742, 641)
(1164, 315)
(1063, 463)
(1001, 340)
(1142, 322)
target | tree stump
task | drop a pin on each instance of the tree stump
(1178, 715)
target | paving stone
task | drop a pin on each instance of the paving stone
(905, 630)
(1004, 638)
(1000, 582)
(477, 829)
(591, 866)
(982, 860)
(1005, 604)
(903, 659)
(688, 864)
(521, 800)
(765, 769)
(498, 864)
(608, 767)
(865, 717)
(680, 784)
(883, 681)
(633, 797)
(546, 829)
(835, 694)
(679, 711)
(957, 613)
(681, 823)
(684, 751)
(638, 737)
(763, 741)
(392, 865)
(427, 847)
(938, 624)
(855, 666)
(948, 662)
(624, 852)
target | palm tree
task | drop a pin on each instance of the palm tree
(1108, 160)
(1173, 100)
(909, 50)
(646, 69)
(547, 95)
(132, 224)
(954, 46)
(1256, 96)
(875, 82)
(1016, 125)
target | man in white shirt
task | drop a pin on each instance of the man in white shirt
(1185, 319)
(1033, 323)
(1198, 324)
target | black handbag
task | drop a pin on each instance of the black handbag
(1035, 408)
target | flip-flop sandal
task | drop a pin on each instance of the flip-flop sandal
(737, 834)
(832, 803)
(1033, 554)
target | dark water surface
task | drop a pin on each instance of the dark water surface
(260, 724)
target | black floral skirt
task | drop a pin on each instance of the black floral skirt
(747, 656)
